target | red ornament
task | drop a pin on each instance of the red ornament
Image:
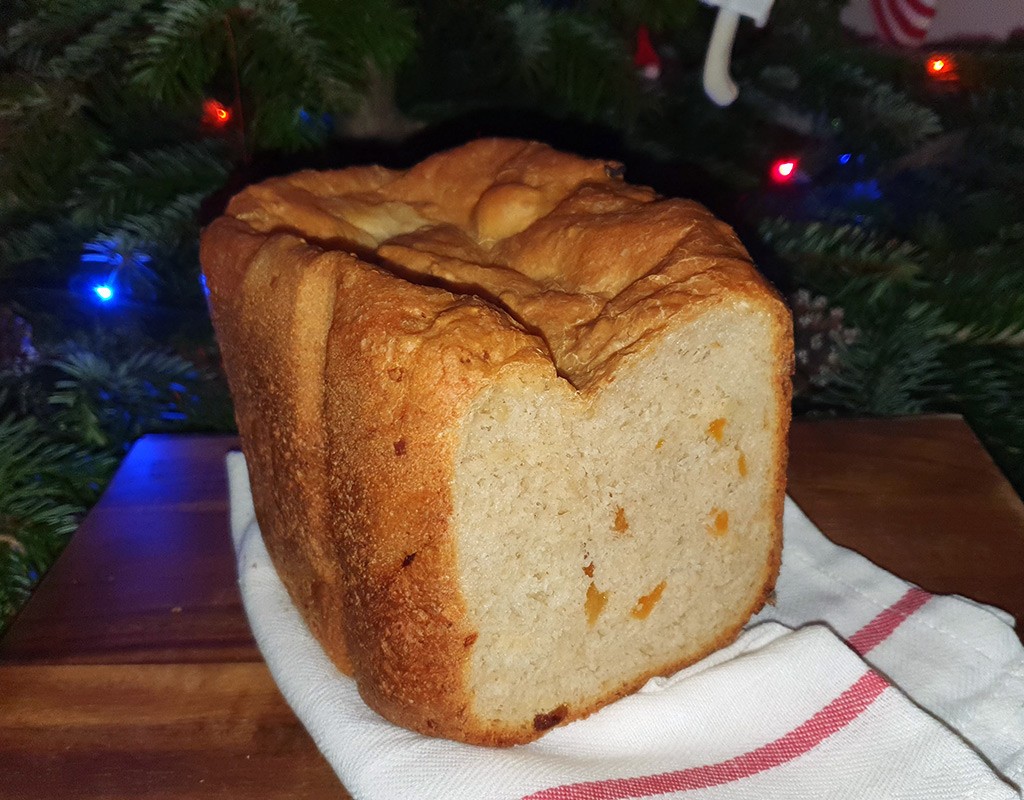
(646, 57)
(215, 113)
(784, 170)
(942, 67)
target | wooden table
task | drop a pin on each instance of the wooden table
(132, 673)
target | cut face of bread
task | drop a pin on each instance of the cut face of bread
(621, 532)
(516, 430)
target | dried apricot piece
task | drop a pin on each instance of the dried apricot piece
(596, 601)
(720, 522)
(645, 604)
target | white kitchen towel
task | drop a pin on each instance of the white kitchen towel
(924, 699)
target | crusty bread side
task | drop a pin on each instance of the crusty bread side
(377, 327)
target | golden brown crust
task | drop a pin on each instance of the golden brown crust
(360, 313)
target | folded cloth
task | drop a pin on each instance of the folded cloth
(923, 699)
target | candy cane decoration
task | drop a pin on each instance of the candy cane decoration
(718, 84)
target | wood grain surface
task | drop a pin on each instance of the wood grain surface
(132, 674)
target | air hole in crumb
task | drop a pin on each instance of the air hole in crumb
(596, 601)
(620, 526)
(720, 524)
(716, 429)
(589, 570)
(408, 560)
(541, 722)
(645, 605)
(400, 447)
(742, 464)
(469, 640)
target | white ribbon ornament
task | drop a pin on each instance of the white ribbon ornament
(718, 84)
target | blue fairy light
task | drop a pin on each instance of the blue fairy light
(864, 191)
(317, 124)
(845, 158)
(114, 271)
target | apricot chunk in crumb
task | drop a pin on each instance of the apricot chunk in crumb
(720, 522)
(660, 444)
(589, 570)
(596, 601)
(742, 465)
(717, 428)
(645, 605)
(620, 526)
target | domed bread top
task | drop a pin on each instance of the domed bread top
(566, 248)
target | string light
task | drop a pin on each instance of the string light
(215, 113)
(113, 271)
(942, 67)
(784, 170)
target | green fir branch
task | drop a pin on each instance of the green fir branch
(89, 53)
(987, 386)
(32, 41)
(142, 182)
(183, 50)
(891, 113)
(893, 367)
(47, 486)
(30, 242)
(981, 292)
(575, 62)
(167, 227)
(109, 403)
(817, 248)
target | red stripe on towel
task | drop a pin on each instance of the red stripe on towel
(832, 718)
(882, 626)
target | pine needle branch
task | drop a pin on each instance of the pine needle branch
(817, 248)
(143, 181)
(894, 365)
(182, 53)
(47, 486)
(90, 52)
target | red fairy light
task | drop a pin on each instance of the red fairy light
(942, 67)
(784, 170)
(215, 113)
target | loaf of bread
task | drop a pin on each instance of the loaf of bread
(516, 429)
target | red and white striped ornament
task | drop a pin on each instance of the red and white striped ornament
(903, 22)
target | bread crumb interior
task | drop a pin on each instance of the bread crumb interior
(541, 474)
